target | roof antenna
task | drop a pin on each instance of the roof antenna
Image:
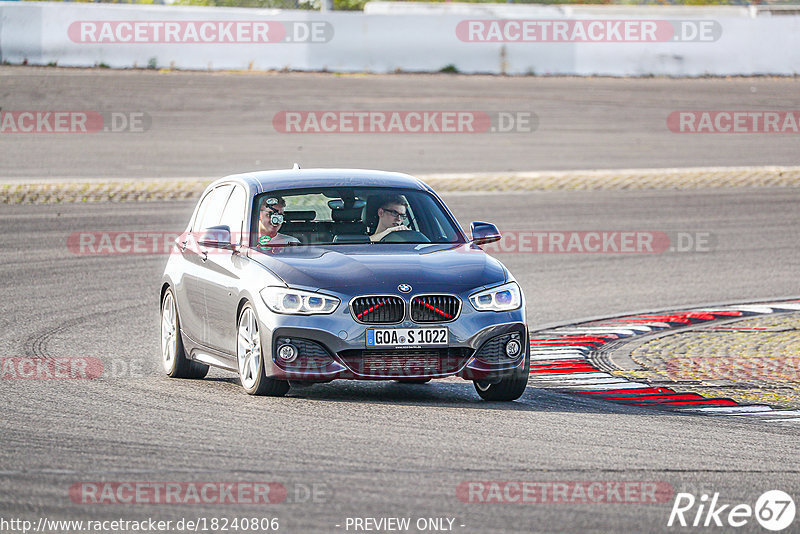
(296, 167)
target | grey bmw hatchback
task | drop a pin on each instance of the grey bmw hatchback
(305, 276)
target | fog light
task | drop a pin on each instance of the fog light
(287, 353)
(513, 348)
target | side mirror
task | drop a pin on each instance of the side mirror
(483, 233)
(216, 237)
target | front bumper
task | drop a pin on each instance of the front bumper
(334, 346)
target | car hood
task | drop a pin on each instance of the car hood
(382, 267)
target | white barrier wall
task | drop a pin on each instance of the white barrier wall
(62, 33)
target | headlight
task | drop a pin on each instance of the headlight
(294, 301)
(502, 298)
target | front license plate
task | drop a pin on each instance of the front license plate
(401, 337)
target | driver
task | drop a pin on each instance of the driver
(270, 219)
(392, 213)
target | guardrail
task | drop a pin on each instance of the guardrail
(591, 43)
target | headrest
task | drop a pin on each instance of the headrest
(346, 215)
(297, 216)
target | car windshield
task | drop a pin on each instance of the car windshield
(350, 215)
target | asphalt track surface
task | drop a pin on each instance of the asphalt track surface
(382, 449)
(208, 125)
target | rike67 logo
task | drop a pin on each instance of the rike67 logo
(774, 510)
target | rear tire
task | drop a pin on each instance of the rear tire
(173, 356)
(251, 359)
(508, 389)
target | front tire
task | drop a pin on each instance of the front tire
(508, 389)
(251, 358)
(173, 356)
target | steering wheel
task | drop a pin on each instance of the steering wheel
(405, 236)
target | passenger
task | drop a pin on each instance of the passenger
(270, 220)
(392, 213)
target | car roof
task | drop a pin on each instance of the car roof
(299, 178)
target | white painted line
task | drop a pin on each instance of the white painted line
(713, 309)
(595, 331)
(580, 353)
(766, 415)
(563, 355)
(540, 348)
(599, 330)
(746, 408)
(561, 348)
(579, 383)
(611, 386)
(624, 385)
(560, 377)
(556, 357)
(555, 339)
(566, 354)
(753, 309)
(640, 327)
(652, 326)
(783, 305)
(765, 307)
(782, 413)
